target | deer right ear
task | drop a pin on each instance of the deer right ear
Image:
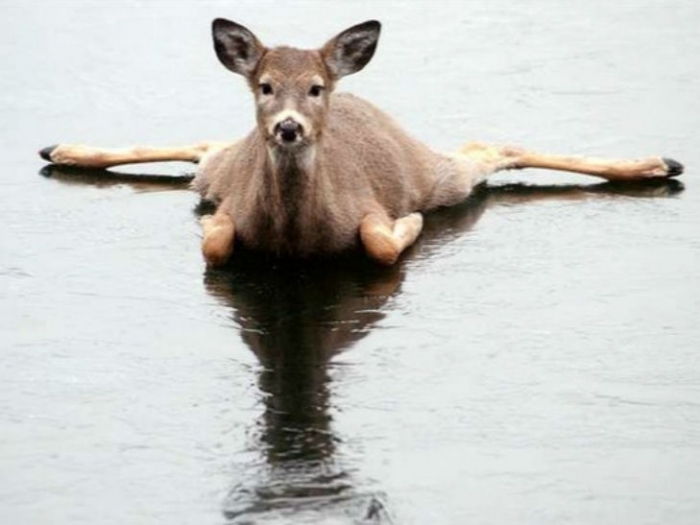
(236, 46)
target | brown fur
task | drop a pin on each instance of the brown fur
(364, 164)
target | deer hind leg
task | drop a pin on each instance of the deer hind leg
(218, 237)
(79, 155)
(498, 158)
(384, 240)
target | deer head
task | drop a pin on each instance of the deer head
(292, 86)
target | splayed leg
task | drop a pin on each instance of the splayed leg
(78, 155)
(508, 157)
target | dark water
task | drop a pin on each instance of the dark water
(534, 359)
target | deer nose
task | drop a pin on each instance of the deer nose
(289, 129)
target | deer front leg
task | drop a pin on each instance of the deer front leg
(384, 239)
(218, 240)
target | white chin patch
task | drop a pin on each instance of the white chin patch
(305, 157)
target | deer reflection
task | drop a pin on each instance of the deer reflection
(102, 178)
(296, 316)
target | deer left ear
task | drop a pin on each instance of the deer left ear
(352, 49)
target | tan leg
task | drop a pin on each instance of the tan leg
(79, 155)
(219, 234)
(507, 157)
(384, 240)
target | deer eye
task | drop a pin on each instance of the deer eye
(315, 90)
(265, 88)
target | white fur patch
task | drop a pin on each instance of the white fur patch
(305, 157)
(292, 114)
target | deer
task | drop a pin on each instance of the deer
(324, 173)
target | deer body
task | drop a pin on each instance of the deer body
(313, 201)
(322, 172)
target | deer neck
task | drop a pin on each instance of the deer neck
(287, 196)
(292, 174)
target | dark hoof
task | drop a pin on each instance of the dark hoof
(46, 152)
(675, 168)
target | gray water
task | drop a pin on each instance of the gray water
(533, 360)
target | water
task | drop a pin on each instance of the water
(534, 359)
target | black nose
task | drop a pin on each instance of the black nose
(289, 129)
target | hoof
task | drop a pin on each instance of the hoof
(46, 152)
(674, 168)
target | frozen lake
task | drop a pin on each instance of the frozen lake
(533, 360)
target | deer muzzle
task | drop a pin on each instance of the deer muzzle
(289, 131)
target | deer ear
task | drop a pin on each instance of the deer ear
(236, 46)
(352, 49)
